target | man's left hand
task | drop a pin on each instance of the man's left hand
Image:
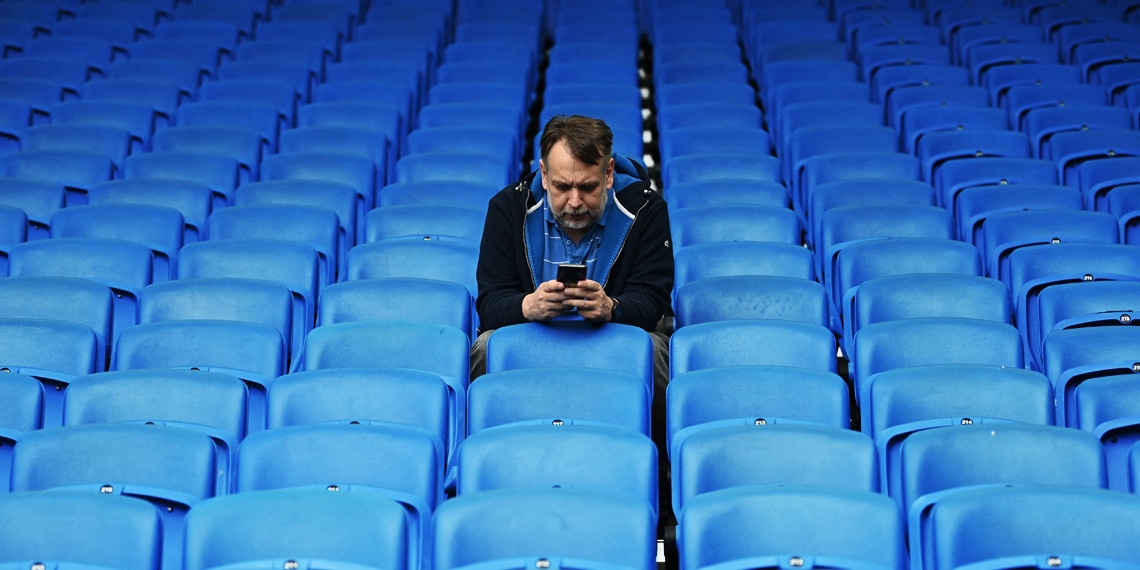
(591, 300)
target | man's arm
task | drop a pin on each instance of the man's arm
(648, 288)
(501, 290)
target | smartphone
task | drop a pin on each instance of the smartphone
(569, 274)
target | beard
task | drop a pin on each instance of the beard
(593, 215)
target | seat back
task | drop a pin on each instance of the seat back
(751, 297)
(106, 531)
(356, 527)
(752, 342)
(583, 524)
(558, 395)
(716, 527)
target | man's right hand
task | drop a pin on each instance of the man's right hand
(545, 303)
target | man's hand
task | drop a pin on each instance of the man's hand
(546, 302)
(592, 302)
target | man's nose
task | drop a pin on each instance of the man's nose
(574, 199)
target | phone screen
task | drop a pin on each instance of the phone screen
(570, 274)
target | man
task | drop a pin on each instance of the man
(585, 205)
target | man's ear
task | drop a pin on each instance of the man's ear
(610, 173)
(542, 172)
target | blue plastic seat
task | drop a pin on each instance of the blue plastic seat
(927, 341)
(13, 230)
(159, 228)
(611, 346)
(751, 342)
(934, 464)
(899, 402)
(403, 298)
(244, 145)
(713, 167)
(996, 32)
(163, 96)
(400, 463)
(907, 296)
(1042, 124)
(260, 117)
(37, 199)
(935, 149)
(750, 297)
(354, 170)
(1069, 150)
(595, 457)
(413, 220)
(250, 300)
(136, 118)
(1000, 79)
(281, 96)
(191, 199)
(551, 524)
(313, 226)
(173, 468)
(431, 257)
(413, 398)
(39, 94)
(907, 98)
(186, 74)
(842, 225)
(106, 531)
(1098, 178)
(217, 171)
(1021, 99)
(206, 402)
(1033, 521)
(924, 120)
(980, 59)
(76, 171)
(726, 258)
(1105, 405)
(358, 118)
(762, 394)
(1068, 361)
(863, 260)
(492, 171)
(294, 265)
(717, 528)
(726, 192)
(851, 193)
(828, 457)
(257, 528)
(1004, 232)
(703, 224)
(338, 197)
(123, 266)
(974, 205)
(990, 171)
(699, 140)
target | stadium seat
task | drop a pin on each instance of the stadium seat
(430, 257)
(218, 171)
(932, 340)
(555, 395)
(999, 526)
(593, 527)
(206, 402)
(750, 297)
(313, 226)
(727, 258)
(704, 224)
(751, 342)
(346, 529)
(804, 523)
(106, 531)
(159, 228)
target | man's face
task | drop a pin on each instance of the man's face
(577, 191)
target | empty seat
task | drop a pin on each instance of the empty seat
(815, 455)
(1019, 525)
(431, 257)
(316, 227)
(719, 527)
(933, 340)
(370, 530)
(218, 171)
(206, 402)
(760, 393)
(403, 298)
(106, 531)
(76, 171)
(726, 258)
(556, 395)
(525, 524)
(750, 297)
(751, 342)
(157, 227)
(602, 458)
(703, 224)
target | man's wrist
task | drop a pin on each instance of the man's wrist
(615, 308)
